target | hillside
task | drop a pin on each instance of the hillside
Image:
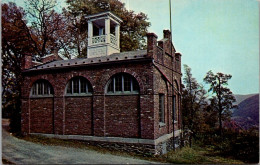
(240, 98)
(247, 114)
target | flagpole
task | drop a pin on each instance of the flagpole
(170, 6)
(173, 106)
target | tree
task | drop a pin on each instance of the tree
(223, 98)
(133, 29)
(193, 102)
(73, 43)
(16, 42)
(46, 24)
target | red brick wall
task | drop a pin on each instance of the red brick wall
(98, 78)
(25, 116)
(167, 65)
(121, 116)
(98, 114)
(160, 87)
(78, 115)
(41, 115)
(147, 116)
(152, 45)
(27, 61)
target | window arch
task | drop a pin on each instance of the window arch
(78, 86)
(122, 83)
(41, 88)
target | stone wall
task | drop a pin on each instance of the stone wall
(97, 51)
(146, 147)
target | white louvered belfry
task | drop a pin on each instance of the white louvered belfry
(103, 34)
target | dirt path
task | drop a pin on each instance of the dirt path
(23, 152)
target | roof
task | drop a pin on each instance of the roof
(116, 57)
(106, 13)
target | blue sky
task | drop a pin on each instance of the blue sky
(217, 35)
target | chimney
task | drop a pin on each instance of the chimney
(26, 61)
(167, 34)
(51, 57)
(151, 44)
(178, 61)
(178, 56)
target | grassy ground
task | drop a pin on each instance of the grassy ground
(186, 155)
(197, 155)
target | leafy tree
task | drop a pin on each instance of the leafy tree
(223, 98)
(193, 102)
(46, 24)
(16, 42)
(132, 31)
(210, 118)
(74, 41)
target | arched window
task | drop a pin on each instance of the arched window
(78, 86)
(41, 88)
(122, 84)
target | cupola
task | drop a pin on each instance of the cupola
(103, 34)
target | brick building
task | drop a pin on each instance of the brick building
(124, 100)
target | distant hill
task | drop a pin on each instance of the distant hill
(240, 98)
(247, 114)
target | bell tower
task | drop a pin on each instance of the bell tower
(103, 34)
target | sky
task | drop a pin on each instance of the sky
(217, 35)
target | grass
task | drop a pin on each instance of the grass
(198, 155)
(185, 155)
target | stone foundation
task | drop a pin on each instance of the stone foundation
(146, 147)
(169, 144)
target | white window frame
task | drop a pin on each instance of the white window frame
(114, 92)
(35, 87)
(161, 109)
(79, 79)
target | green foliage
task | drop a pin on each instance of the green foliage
(186, 155)
(197, 155)
(193, 103)
(203, 120)
(223, 99)
(243, 145)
